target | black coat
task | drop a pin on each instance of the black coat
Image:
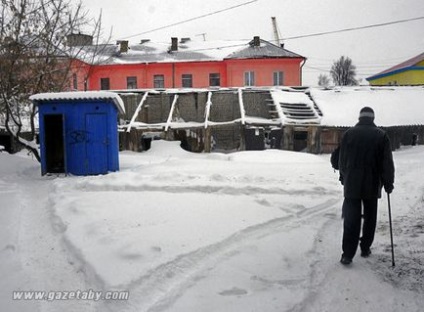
(365, 161)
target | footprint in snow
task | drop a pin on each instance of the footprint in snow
(234, 292)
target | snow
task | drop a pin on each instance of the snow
(88, 95)
(246, 231)
(293, 97)
(393, 106)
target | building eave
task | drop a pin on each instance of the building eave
(394, 72)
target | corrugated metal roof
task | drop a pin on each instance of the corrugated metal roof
(89, 95)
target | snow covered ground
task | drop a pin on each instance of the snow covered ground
(247, 231)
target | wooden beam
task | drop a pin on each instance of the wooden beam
(242, 111)
(137, 111)
(171, 112)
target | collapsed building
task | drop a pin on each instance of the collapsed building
(311, 120)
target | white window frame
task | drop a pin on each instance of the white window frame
(249, 78)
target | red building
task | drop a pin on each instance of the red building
(185, 64)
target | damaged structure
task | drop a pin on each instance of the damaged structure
(232, 119)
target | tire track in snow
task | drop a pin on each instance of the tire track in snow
(160, 287)
(222, 189)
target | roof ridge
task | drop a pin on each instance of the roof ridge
(408, 63)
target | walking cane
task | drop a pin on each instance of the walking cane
(391, 230)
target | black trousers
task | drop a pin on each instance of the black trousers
(352, 212)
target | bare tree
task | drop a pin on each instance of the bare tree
(323, 80)
(343, 72)
(34, 57)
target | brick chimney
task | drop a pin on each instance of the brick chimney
(256, 41)
(79, 39)
(174, 44)
(123, 46)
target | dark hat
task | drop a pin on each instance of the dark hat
(366, 112)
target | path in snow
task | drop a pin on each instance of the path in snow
(286, 260)
(13, 275)
(160, 287)
(35, 258)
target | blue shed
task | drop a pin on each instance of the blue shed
(79, 132)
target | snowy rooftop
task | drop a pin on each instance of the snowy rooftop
(90, 95)
(337, 107)
(394, 106)
(295, 107)
(188, 50)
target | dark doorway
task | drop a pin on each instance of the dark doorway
(300, 141)
(54, 143)
(255, 139)
(6, 141)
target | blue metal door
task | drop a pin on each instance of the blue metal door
(97, 144)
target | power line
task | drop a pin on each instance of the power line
(191, 19)
(354, 28)
(325, 33)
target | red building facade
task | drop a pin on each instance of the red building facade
(186, 64)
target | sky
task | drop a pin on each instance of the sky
(372, 50)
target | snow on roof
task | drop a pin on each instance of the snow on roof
(394, 106)
(188, 50)
(89, 95)
(295, 107)
(265, 49)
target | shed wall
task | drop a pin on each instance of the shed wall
(82, 141)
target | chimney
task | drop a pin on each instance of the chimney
(123, 46)
(174, 44)
(256, 41)
(74, 40)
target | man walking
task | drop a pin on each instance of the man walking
(366, 165)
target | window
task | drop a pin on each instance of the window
(159, 81)
(74, 82)
(278, 79)
(104, 84)
(249, 78)
(131, 82)
(214, 80)
(187, 80)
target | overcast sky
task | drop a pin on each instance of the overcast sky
(371, 50)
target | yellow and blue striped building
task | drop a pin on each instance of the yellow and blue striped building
(408, 73)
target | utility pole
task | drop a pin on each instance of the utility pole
(276, 32)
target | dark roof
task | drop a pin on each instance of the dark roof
(264, 50)
(409, 64)
(188, 51)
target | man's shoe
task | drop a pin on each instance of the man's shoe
(366, 253)
(345, 260)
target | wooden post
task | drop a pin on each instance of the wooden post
(207, 139)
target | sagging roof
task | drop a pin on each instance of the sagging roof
(336, 107)
(295, 107)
